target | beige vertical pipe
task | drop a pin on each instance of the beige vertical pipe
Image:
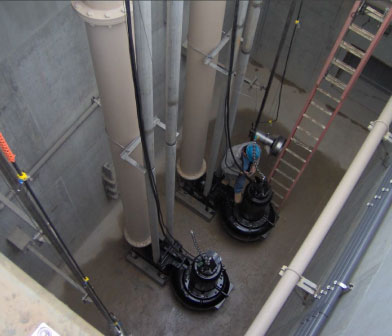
(108, 41)
(320, 229)
(204, 33)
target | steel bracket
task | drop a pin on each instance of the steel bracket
(208, 60)
(160, 124)
(305, 284)
(128, 150)
(387, 136)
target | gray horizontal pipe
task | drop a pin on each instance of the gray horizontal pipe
(349, 259)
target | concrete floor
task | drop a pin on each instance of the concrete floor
(145, 308)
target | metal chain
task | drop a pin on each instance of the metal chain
(197, 247)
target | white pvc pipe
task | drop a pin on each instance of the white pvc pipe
(320, 229)
(243, 58)
(143, 41)
(108, 41)
(204, 34)
(173, 66)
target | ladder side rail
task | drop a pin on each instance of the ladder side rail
(349, 20)
(368, 54)
(336, 46)
(358, 71)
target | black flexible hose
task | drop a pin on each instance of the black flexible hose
(286, 63)
(228, 94)
(139, 113)
(50, 231)
(273, 69)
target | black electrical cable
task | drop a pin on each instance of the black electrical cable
(228, 93)
(52, 234)
(273, 69)
(297, 22)
(147, 160)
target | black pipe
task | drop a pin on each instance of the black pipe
(275, 64)
(31, 202)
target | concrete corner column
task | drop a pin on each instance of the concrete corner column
(205, 31)
(108, 41)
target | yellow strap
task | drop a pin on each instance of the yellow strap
(86, 279)
(23, 176)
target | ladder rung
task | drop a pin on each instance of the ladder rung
(284, 174)
(301, 144)
(360, 31)
(374, 14)
(335, 82)
(279, 195)
(343, 66)
(351, 49)
(295, 155)
(289, 164)
(328, 95)
(274, 203)
(321, 108)
(279, 184)
(314, 121)
(307, 133)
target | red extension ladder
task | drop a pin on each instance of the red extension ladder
(317, 115)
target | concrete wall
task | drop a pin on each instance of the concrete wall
(46, 83)
(320, 24)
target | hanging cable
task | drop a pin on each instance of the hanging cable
(147, 161)
(228, 94)
(46, 225)
(273, 69)
(297, 23)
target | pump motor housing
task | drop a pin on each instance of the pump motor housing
(254, 217)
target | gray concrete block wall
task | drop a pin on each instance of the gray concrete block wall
(46, 83)
(320, 24)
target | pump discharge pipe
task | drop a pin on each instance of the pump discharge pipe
(173, 65)
(252, 18)
(320, 229)
(205, 31)
(108, 41)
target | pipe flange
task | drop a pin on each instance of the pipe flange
(100, 13)
(192, 177)
(135, 243)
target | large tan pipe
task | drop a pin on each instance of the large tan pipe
(320, 229)
(204, 33)
(108, 41)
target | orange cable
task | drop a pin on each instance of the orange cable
(6, 149)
